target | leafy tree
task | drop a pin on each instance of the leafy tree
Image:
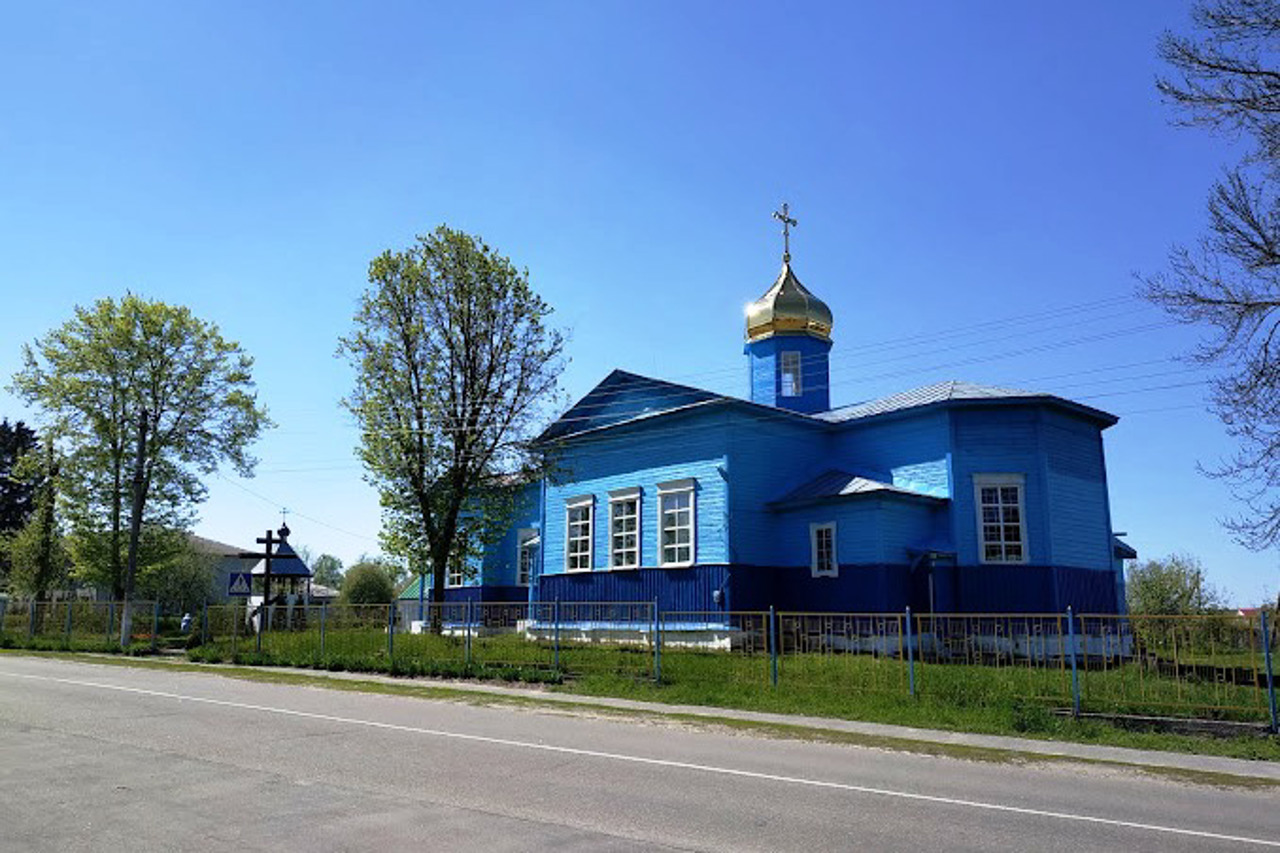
(35, 552)
(147, 397)
(453, 360)
(1173, 586)
(1226, 78)
(368, 583)
(177, 575)
(17, 495)
(327, 571)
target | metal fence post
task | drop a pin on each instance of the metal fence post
(324, 609)
(657, 642)
(204, 623)
(67, 630)
(911, 658)
(773, 647)
(1075, 676)
(155, 625)
(1271, 685)
(111, 619)
(555, 631)
(466, 639)
(31, 618)
(391, 631)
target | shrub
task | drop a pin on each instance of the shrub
(367, 583)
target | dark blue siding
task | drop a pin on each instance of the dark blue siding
(688, 589)
(1023, 589)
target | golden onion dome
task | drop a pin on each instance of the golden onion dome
(788, 308)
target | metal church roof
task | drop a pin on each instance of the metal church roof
(841, 484)
(286, 568)
(951, 391)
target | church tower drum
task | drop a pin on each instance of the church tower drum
(789, 340)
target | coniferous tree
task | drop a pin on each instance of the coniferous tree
(17, 495)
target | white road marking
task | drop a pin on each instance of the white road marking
(664, 762)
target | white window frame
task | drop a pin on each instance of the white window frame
(528, 540)
(455, 576)
(618, 498)
(588, 503)
(666, 491)
(814, 568)
(795, 370)
(981, 481)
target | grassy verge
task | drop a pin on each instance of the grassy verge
(697, 721)
(1018, 701)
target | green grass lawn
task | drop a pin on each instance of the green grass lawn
(1014, 698)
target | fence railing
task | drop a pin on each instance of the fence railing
(87, 624)
(1216, 666)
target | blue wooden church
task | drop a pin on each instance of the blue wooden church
(953, 497)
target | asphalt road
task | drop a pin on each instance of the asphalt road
(98, 757)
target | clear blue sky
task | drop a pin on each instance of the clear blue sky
(951, 165)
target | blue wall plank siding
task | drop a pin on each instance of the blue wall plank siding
(1081, 533)
(768, 457)
(765, 385)
(910, 450)
(686, 589)
(998, 440)
(499, 565)
(897, 480)
(690, 444)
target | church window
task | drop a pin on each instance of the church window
(455, 574)
(526, 555)
(578, 521)
(822, 538)
(624, 528)
(676, 523)
(791, 374)
(1002, 532)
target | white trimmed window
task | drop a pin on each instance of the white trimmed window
(456, 573)
(579, 517)
(454, 576)
(1002, 529)
(526, 554)
(790, 373)
(676, 523)
(624, 529)
(823, 562)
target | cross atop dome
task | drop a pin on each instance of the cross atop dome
(788, 223)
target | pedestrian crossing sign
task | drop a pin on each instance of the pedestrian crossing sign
(240, 583)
